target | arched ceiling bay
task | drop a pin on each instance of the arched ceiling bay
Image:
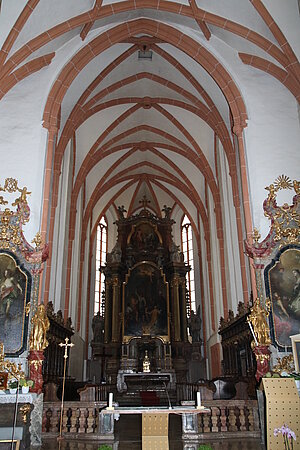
(145, 89)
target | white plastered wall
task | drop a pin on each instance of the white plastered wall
(231, 244)
(60, 234)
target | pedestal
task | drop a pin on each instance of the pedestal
(262, 355)
(35, 361)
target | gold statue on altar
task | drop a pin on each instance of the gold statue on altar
(146, 363)
(258, 318)
(40, 325)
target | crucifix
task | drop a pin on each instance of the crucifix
(66, 345)
(144, 201)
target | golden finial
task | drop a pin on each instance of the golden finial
(37, 240)
(256, 235)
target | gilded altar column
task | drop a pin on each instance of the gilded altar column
(115, 333)
(176, 307)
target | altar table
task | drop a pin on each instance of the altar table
(154, 422)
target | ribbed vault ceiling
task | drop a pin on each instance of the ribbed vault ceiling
(143, 127)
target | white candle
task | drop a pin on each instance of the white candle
(198, 398)
(110, 399)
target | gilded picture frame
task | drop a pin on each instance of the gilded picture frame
(15, 289)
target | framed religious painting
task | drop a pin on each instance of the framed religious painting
(145, 303)
(15, 287)
(282, 278)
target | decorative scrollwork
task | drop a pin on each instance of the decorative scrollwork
(285, 364)
(11, 221)
(285, 219)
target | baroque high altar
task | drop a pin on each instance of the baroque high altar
(145, 303)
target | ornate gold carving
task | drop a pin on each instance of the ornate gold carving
(27, 309)
(146, 363)
(283, 182)
(11, 368)
(24, 410)
(37, 240)
(11, 220)
(256, 235)
(258, 318)
(285, 218)
(36, 363)
(285, 364)
(40, 325)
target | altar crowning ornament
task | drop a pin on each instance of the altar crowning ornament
(284, 234)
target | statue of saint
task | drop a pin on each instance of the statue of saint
(39, 326)
(258, 317)
(195, 325)
(98, 328)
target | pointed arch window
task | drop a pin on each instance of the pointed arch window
(101, 251)
(187, 250)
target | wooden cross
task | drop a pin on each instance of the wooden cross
(144, 201)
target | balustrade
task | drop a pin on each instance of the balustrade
(78, 417)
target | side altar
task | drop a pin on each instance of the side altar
(146, 306)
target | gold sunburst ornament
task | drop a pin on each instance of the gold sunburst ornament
(283, 182)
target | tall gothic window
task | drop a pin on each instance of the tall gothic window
(187, 249)
(101, 250)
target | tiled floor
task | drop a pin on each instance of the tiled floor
(128, 437)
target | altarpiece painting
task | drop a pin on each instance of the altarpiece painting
(14, 295)
(146, 302)
(283, 289)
